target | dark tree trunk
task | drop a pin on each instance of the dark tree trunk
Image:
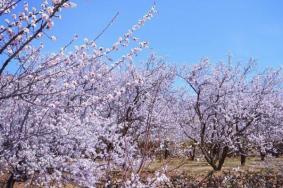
(222, 159)
(262, 156)
(216, 164)
(166, 153)
(11, 181)
(243, 159)
(220, 164)
(194, 153)
(166, 150)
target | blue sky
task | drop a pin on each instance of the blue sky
(184, 31)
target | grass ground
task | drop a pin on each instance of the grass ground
(199, 169)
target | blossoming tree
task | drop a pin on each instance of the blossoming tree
(227, 105)
(60, 115)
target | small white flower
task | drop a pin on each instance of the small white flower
(130, 58)
(50, 24)
(76, 37)
(44, 16)
(14, 16)
(33, 25)
(26, 30)
(10, 51)
(144, 44)
(39, 35)
(26, 7)
(10, 31)
(19, 37)
(69, 5)
(53, 38)
(49, 10)
(56, 1)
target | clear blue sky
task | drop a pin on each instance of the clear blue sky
(185, 31)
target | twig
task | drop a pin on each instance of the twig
(107, 26)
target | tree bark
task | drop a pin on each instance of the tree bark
(166, 153)
(11, 181)
(222, 159)
(262, 156)
(243, 159)
(166, 150)
(194, 152)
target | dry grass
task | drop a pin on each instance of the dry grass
(199, 169)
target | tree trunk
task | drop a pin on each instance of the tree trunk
(222, 159)
(243, 159)
(166, 150)
(262, 156)
(194, 153)
(11, 181)
(166, 153)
